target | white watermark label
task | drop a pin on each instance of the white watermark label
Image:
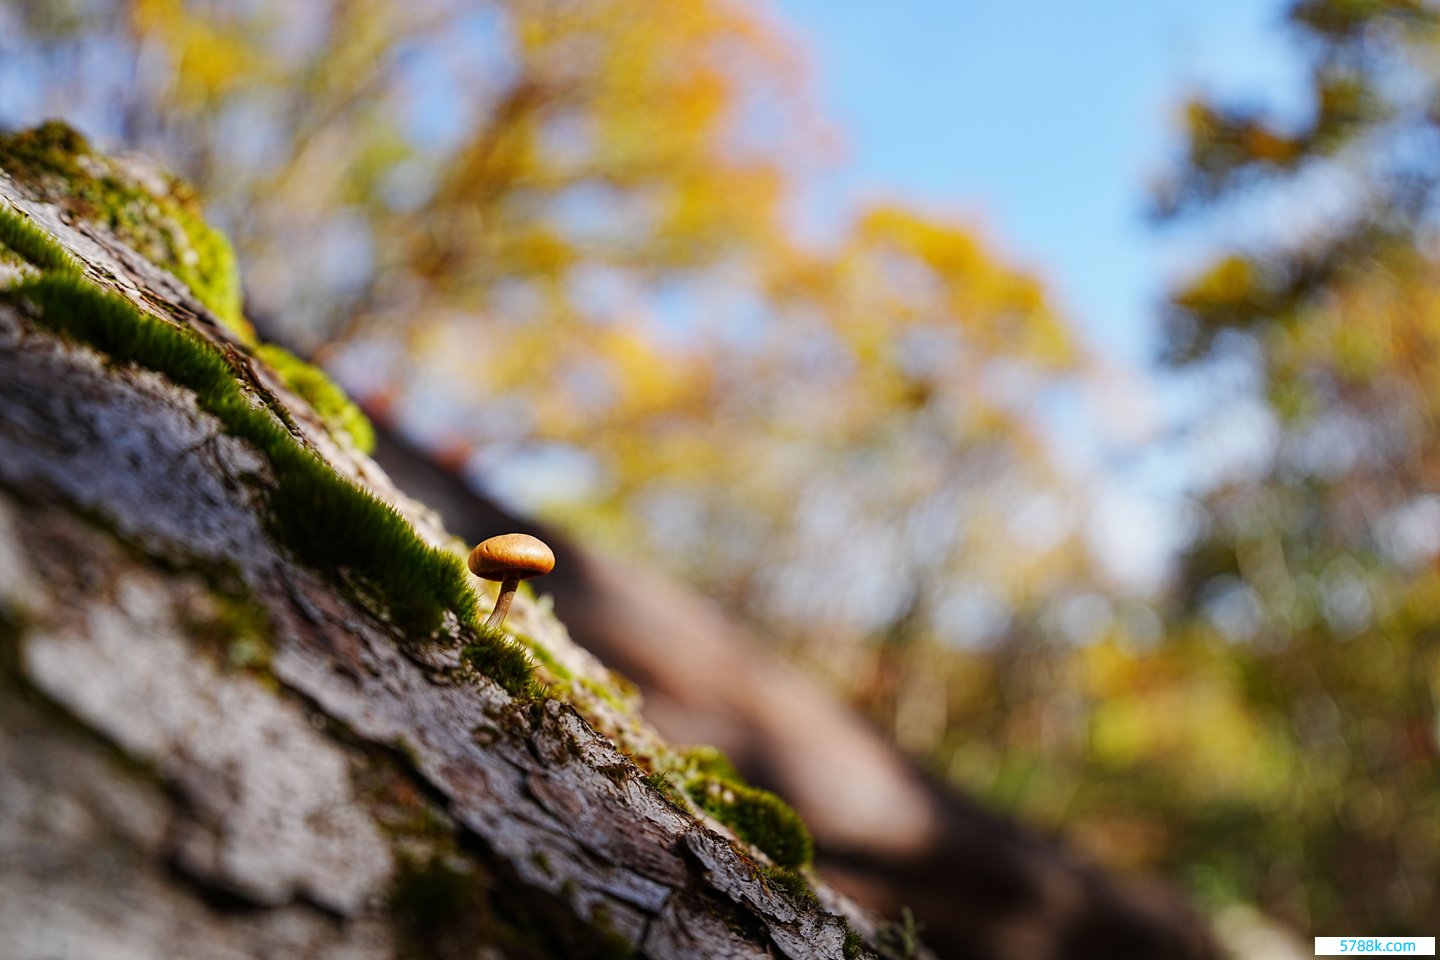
(1374, 946)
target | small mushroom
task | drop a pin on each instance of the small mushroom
(509, 558)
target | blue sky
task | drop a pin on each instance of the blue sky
(1040, 121)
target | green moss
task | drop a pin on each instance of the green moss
(33, 244)
(792, 882)
(606, 694)
(206, 261)
(77, 309)
(711, 762)
(625, 688)
(49, 151)
(496, 656)
(547, 660)
(668, 785)
(566, 679)
(852, 946)
(166, 228)
(242, 629)
(335, 526)
(326, 520)
(901, 940)
(335, 407)
(554, 667)
(758, 817)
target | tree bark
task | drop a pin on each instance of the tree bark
(885, 834)
(211, 749)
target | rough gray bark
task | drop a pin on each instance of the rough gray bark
(210, 750)
(884, 833)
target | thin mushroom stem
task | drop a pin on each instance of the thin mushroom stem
(502, 603)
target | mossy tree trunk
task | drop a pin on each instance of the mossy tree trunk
(212, 746)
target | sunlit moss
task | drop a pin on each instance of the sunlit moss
(705, 777)
(547, 660)
(166, 228)
(33, 244)
(606, 694)
(712, 762)
(793, 883)
(758, 817)
(497, 657)
(335, 407)
(325, 519)
(208, 267)
(667, 784)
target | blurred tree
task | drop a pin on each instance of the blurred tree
(1313, 588)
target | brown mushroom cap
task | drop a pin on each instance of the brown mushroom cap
(511, 556)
